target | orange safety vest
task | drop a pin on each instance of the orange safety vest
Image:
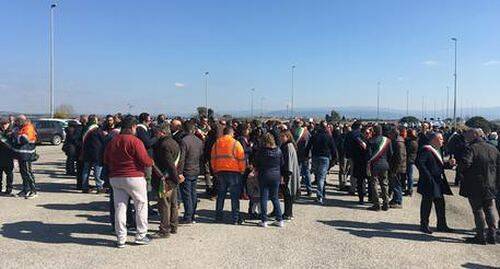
(227, 155)
(28, 132)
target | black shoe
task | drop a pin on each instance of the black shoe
(160, 235)
(173, 230)
(385, 207)
(491, 240)
(21, 194)
(186, 222)
(445, 229)
(475, 240)
(238, 222)
(8, 191)
(425, 229)
(219, 220)
(374, 208)
(361, 202)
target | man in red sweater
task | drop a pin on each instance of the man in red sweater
(127, 158)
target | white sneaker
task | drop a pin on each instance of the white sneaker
(280, 223)
(263, 224)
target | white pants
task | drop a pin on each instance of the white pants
(136, 188)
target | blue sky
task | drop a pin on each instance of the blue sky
(112, 53)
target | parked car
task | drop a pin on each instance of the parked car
(50, 130)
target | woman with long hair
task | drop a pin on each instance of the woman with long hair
(290, 171)
(269, 161)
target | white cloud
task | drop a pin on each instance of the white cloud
(430, 62)
(179, 85)
(491, 62)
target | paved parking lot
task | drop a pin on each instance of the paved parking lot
(66, 229)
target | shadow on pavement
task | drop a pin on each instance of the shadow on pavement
(471, 265)
(92, 206)
(386, 230)
(36, 231)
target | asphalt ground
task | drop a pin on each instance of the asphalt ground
(63, 228)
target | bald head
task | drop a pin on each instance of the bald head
(176, 125)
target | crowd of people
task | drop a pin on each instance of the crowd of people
(151, 166)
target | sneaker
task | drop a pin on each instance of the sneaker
(287, 218)
(142, 241)
(280, 223)
(131, 230)
(120, 245)
(263, 224)
(31, 195)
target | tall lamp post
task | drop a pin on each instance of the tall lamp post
(291, 103)
(51, 60)
(206, 91)
(252, 90)
(455, 86)
(407, 102)
(378, 101)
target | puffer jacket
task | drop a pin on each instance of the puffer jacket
(269, 162)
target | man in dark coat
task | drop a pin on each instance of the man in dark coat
(167, 155)
(92, 154)
(357, 151)
(380, 152)
(397, 172)
(481, 177)
(411, 156)
(6, 156)
(192, 151)
(432, 184)
(302, 137)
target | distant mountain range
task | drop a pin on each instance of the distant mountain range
(490, 113)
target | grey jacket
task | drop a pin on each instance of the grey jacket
(192, 150)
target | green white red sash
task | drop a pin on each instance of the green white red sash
(161, 189)
(90, 129)
(382, 148)
(299, 133)
(435, 152)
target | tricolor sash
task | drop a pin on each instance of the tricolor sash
(381, 149)
(162, 190)
(436, 153)
(143, 126)
(299, 133)
(90, 129)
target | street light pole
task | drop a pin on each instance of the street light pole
(378, 101)
(447, 102)
(206, 91)
(455, 86)
(291, 104)
(262, 107)
(251, 101)
(51, 60)
(407, 102)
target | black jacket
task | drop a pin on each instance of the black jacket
(382, 163)
(432, 181)
(6, 156)
(93, 147)
(322, 145)
(146, 137)
(481, 171)
(269, 162)
(411, 150)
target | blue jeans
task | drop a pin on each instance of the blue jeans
(189, 197)
(321, 165)
(86, 174)
(228, 181)
(269, 191)
(397, 190)
(409, 178)
(306, 175)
